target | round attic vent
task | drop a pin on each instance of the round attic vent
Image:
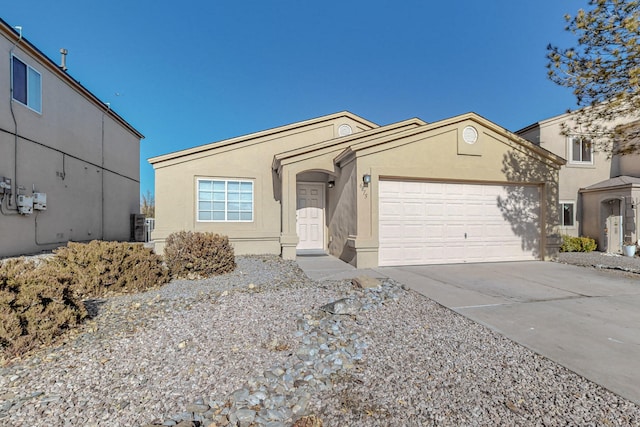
(344, 130)
(470, 135)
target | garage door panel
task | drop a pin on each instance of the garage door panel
(455, 231)
(415, 231)
(413, 209)
(391, 208)
(434, 231)
(435, 223)
(390, 230)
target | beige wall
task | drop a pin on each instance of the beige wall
(594, 224)
(85, 158)
(310, 151)
(574, 177)
(342, 213)
(434, 155)
(251, 158)
(630, 165)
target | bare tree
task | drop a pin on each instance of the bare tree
(148, 205)
(604, 72)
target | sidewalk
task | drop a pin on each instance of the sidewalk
(326, 267)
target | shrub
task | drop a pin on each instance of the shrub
(588, 244)
(194, 255)
(37, 304)
(103, 268)
(577, 244)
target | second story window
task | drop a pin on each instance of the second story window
(26, 85)
(581, 150)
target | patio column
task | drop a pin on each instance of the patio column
(288, 236)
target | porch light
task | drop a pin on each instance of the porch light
(331, 184)
(366, 179)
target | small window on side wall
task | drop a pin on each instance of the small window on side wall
(567, 214)
(225, 200)
(581, 150)
(26, 85)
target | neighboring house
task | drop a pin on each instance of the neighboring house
(458, 190)
(598, 194)
(69, 165)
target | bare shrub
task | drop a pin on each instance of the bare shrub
(37, 304)
(107, 268)
(193, 255)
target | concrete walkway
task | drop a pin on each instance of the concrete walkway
(585, 320)
(325, 267)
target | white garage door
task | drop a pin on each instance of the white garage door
(441, 223)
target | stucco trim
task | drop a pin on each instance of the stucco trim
(318, 149)
(256, 137)
(428, 129)
(609, 189)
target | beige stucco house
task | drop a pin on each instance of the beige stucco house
(69, 165)
(598, 194)
(458, 190)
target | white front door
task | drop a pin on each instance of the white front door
(614, 227)
(310, 215)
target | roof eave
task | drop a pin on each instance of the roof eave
(284, 157)
(31, 49)
(255, 135)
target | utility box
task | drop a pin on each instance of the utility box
(40, 201)
(137, 228)
(5, 185)
(25, 204)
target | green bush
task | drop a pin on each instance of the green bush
(103, 268)
(37, 304)
(588, 244)
(192, 255)
(577, 244)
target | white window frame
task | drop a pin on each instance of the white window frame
(570, 142)
(226, 200)
(30, 71)
(573, 213)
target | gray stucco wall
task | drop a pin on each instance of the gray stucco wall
(76, 151)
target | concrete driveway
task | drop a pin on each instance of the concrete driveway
(583, 319)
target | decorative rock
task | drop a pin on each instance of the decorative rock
(366, 282)
(326, 348)
(245, 417)
(348, 306)
(308, 421)
(240, 395)
(197, 408)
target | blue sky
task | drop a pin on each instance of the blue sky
(193, 72)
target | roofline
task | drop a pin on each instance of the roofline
(261, 134)
(528, 128)
(615, 187)
(467, 116)
(31, 49)
(279, 158)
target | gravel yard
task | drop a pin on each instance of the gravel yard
(255, 347)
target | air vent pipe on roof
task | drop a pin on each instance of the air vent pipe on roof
(63, 59)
